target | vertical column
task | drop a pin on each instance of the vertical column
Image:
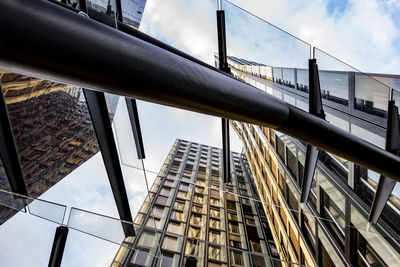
(57, 251)
(223, 65)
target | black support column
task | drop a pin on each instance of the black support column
(8, 151)
(316, 109)
(57, 251)
(386, 184)
(97, 106)
(135, 124)
(223, 65)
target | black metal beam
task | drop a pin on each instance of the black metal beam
(135, 124)
(97, 106)
(57, 251)
(159, 76)
(223, 66)
(8, 151)
(386, 184)
(316, 109)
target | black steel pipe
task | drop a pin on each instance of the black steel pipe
(57, 250)
(44, 40)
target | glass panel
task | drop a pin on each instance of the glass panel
(13, 201)
(263, 54)
(132, 12)
(47, 210)
(371, 96)
(124, 137)
(194, 33)
(41, 208)
(111, 229)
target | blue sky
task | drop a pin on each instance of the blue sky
(364, 33)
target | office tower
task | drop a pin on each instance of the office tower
(197, 215)
(331, 229)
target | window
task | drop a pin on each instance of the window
(170, 243)
(169, 183)
(194, 232)
(167, 259)
(256, 246)
(176, 228)
(214, 213)
(154, 223)
(199, 189)
(214, 201)
(146, 239)
(195, 219)
(158, 211)
(165, 191)
(182, 194)
(233, 227)
(198, 199)
(231, 205)
(179, 205)
(214, 253)
(177, 215)
(250, 220)
(214, 237)
(236, 258)
(232, 216)
(161, 200)
(184, 187)
(214, 193)
(214, 223)
(197, 209)
(192, 248)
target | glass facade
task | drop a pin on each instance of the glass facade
(342, 192)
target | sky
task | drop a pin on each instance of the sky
(363, 33)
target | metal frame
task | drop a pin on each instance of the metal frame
(173, 80)
(316, 109)
(223, 66)
(8, 151)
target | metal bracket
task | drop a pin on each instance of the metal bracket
(316, 109)
(386, 184)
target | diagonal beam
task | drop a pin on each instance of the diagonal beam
(97, 106)
(223, 66)
(159, 76)
(316, 109)
(8, 151)
(386, 184)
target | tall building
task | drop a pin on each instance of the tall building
(331, 228)
(194, 214)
